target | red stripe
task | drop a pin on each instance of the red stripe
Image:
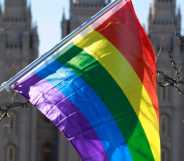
(124, 31)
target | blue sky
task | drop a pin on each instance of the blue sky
(47, 15)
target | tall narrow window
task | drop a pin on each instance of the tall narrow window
(164, 125)
(12, 121)
(11, 153)
(182, 45)
(47, 151)
(164, 154)
(165, 93)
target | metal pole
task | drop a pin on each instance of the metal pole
(6, 85)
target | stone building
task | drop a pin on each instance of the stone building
(80, 10)
(164, 29)
(165, 33)
(27, 135)
(18, 47)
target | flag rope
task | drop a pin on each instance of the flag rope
(7, 84)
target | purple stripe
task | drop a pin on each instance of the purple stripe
(65, 117)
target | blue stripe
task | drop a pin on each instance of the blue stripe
(91, 106)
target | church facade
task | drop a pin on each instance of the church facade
(27, 135)
(164, 29)
(80, 10)
(165, 33)
(18, 47)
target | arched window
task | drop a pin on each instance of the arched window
(11, 153)
(165, 154)
(164, 127)
(165, 94)
(12, 121)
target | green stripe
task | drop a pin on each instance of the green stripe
(106, 88)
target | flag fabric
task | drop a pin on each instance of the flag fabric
(99, 89)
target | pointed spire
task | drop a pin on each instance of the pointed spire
(150, 14)
(63, 16)
(29, 13)
(0, 9)
(178, 20)
(179, 12)
(65, 23)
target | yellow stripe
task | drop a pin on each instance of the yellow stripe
(122, 72)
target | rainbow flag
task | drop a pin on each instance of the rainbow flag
(100, 90)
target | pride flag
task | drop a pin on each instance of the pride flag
(100, 90)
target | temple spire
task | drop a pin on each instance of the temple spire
(178, 18)
(0, 9)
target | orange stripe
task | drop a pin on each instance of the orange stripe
(124, 31)
(117, 66)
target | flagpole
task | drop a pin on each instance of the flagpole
(6, 85)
